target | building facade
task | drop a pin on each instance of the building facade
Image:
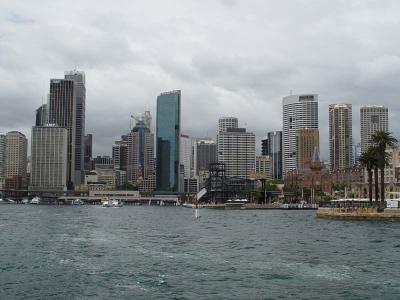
(2, 160)
(372, 118)
(204, 152)
(41, 116)
(236, 149)
(227, 122)
(16, 160)
(49, 146)
(263, 167)
(185, 154)
(307, 145)
(340, 136)
(88, 152)
(168, 132)
(299, 111)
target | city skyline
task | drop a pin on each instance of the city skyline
(352, 63)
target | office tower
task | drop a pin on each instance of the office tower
(41, 115)
(2, 160)
(120, 155)
(49, 146)
(140, 157)
(340, 136)
(264, 146)
(79, 123)
(307, 145)
(16, 160)
(67, 109)
(299, 111)
(373, 118)
(88, 149)
(185, 154)
(275, 152)
(204, 152)
(227, 122)
(105, 172)
(263, 167)
(168, 134)
(236, 149)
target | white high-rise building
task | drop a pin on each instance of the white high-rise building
(227, 122)
(340, 136)
(299, 112)
(185, 154)
(373, 118)
(237, 150)
(49, 158)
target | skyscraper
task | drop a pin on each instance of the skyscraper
(49, 158)
(205, 152)
(41, 115)
(140, 157)
(299, 111)
(78, 134)
(236, 149)
(120, 155)
(272, 146)
(88, 149)
(185, 154)
(307, 144)
(16, 160)
(227, 122)
(340, 136)
(168, 132)
(67, 109)
(373, 118)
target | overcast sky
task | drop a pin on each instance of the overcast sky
(236, 58)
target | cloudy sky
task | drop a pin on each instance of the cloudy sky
(228, 57)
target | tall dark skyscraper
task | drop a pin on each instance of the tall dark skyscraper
(67, 109)
(168, 131)
(79, 122)
(41, 115)
(88, 149)
(272, 146)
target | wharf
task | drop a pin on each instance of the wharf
(358, 213)
(254, 206)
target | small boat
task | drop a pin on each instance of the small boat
(236, 204)
(112, 203)
(77, 202)
(11, 201)
(35, 200)
(25, 201)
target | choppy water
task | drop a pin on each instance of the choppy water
(59, 252)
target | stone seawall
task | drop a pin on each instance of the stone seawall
(358, 213)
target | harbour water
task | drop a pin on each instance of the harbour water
(137, 252)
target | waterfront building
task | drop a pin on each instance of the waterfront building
(204, 152)
(2, 160)
(140, 157)
(307, 145)
(227, 122)
(49, 146)
(120, 155)
(41, 115)
(168, 131)
(88, 152)
(372, 118)
(67, 109)
(263, 167)
(299, 111)
(185, 154)
(236, 149)
(340, 136)
(16, 160)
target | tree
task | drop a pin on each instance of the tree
(368, 161)
(383, 140)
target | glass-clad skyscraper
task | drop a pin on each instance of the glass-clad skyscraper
(168, 133)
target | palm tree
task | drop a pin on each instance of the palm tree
(368, 161)
(383, 140)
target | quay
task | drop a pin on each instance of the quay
(254, 206)
(360, 209)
